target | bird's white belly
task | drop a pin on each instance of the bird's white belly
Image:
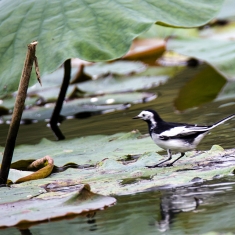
(178, 145)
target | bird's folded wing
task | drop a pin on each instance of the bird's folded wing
(184, 131)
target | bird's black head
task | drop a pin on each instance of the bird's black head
(148, 115)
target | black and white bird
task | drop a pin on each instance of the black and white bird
(179, 137)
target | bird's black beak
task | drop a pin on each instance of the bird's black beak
(136, 117)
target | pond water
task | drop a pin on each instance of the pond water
(197, 209)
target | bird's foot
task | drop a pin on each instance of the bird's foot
(158, 165)
(169, 164)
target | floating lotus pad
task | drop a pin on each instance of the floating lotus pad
(119, 157)
(34, 210)
(95, 105)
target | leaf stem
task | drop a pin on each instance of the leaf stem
(17, 113)
(59, 103)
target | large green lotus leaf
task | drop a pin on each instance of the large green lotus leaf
(227, 10)
(118, 164)
(87, 150)
(158, 31)
(90, 30)
(119, 168)
(220, 54)
(94, 105)
(112, 177)
(40, 210)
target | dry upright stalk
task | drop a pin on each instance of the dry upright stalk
(59, 103)
(17, 113)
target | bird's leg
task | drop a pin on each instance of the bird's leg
(171, 164)
(168, 159)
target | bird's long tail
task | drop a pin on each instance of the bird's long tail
(208, 128)
(221, 121)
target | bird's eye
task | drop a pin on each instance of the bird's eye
(143, 115)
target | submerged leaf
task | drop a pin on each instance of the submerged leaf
(198, 89)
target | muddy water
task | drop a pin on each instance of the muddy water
(198, 209)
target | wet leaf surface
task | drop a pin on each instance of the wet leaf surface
(9, 194)
(116, 160)
(32, 210)
(86, 150)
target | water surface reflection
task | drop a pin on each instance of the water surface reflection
(197, 209)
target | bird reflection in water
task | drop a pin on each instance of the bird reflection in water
(172, 204)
